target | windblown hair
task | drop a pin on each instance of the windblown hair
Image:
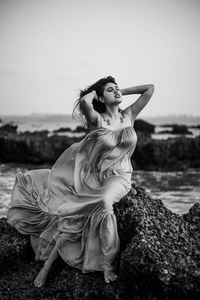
(97, 105)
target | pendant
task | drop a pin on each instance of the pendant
(108, 122)
(121, 118)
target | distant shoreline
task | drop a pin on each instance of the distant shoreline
(156, 120)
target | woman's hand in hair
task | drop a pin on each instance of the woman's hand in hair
(90, 96)
(88, 109)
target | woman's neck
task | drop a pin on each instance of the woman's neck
(112, 111)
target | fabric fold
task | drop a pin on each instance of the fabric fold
(70, 206)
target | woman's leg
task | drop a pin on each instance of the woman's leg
(42, 275)
(110, 244)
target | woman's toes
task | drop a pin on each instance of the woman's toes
(38, 283)
(109, 276)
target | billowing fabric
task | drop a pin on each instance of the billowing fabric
(71, 205)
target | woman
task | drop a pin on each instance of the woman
(68, 210)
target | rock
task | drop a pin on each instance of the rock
(180, 129)
(35, 133)
(195, 126)
(14, 246)
(177, 154)
(193, 217)
(80, 129)
(141, 125)
(36, 147)
(159, 258)
(8, 128)
(176, 129)
(62, 129)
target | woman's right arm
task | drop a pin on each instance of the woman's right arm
(87, 107)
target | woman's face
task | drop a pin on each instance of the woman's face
(112, 94)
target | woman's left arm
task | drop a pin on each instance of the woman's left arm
(146, 92)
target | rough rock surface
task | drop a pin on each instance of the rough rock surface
(159, 258)
(34, 148)
(172, 154)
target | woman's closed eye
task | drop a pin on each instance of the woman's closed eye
(111, 89)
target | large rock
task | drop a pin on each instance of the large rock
(176, 129)
(141, 125)
(176, 154)
(37, 147)
(8, 128)
(159, 258)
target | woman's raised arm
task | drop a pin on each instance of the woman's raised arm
(87, 107)
(146, 92)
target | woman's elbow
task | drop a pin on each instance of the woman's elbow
(152, 87)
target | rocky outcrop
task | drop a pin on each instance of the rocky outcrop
(36, 148)
(62, 129)
(159, 258)
(176, 129)
(171, 154)
(8, 128)
(78, 129)
(40, 147)
(141, 125)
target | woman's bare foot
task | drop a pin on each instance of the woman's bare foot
(41, 277)
(109, 276)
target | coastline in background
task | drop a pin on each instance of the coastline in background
(157, 120)
(51, 122)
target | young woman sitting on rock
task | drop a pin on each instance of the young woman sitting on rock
(68, 210)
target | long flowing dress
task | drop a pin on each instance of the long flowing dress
(71, 205)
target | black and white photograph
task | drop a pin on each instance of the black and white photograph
(99, 149)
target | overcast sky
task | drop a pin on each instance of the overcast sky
(52, 48)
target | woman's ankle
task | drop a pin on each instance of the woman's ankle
(46, 265)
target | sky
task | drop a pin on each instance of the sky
(50, 49)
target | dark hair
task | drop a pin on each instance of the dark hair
(97, 105)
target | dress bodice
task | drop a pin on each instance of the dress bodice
(108, 151)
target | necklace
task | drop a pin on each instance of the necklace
(121, 117)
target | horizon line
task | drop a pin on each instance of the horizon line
(70, 114)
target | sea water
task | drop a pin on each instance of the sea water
(178, 190)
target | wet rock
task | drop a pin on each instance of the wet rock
(176, 129)
(8, 128)
(36, 147)
(80, 129)
(177, 154)
(62, 129)
(13, 246)
(158, 260)
(36, 133)
(141, 125)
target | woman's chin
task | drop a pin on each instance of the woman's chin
(118, 100)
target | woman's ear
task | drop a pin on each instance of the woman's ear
(101, 99)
